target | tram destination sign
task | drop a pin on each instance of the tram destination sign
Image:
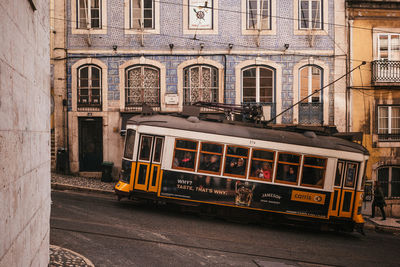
(247, 194)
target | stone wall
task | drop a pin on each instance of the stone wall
(24, 133)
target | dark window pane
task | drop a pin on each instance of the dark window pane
(335, 200)
(154, 178)
(145, 148)
(339, 172)
(262, 154)
(129, 143)
(186, 144)
(287, 173)
(148, 3)
(211, 148)
(289, 158)
(238, 151)
(142, 174)
(84, 73)
(157, 150)
(347, 201)
(314, 161)
(383, 178)
(312, 176)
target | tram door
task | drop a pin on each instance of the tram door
(148, 167)
(344, 189)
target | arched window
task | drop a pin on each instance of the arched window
(89, 87)
(200, 84)
(311, 108)
(142, 85)
(258, 84)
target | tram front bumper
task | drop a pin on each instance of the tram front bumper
(122, 189)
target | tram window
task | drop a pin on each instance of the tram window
(185, 154)
(236, 161)
(351, 174)
(157, 150)
(313, 171)
(210, 157)
(262, 163)
(129, 143)
(288, 168)
(339, 173)
(145, 148)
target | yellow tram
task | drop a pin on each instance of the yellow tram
(301, 175)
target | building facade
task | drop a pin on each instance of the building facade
(374, 90)
(24, 133)
(167, 54)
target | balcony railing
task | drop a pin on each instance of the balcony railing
(389, 137)
(311, 113)
(385, 72)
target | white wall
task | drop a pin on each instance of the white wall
(24, 133)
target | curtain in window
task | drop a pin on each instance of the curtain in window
(89, 86)
(142, 13)
(89, 14)
(383, 118)
(310, 81)
(258, 85)
(310, 14)
(258, 14)
(395, 129)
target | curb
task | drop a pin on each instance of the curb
(370, 225)
(58, 186)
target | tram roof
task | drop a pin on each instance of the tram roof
(271, 135)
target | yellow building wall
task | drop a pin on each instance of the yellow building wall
(364, 101)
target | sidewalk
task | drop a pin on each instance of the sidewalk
(85, 184)
(64, 257)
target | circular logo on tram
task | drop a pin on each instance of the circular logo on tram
(317, 198)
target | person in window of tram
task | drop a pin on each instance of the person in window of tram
(186, 161)
(265, 171)
(379, 200)
(213, 165)
(291, 174)
(237, 167)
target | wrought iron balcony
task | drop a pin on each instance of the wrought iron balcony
(311, 113)
(386, 72)
(389, 137)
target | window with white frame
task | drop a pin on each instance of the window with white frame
(258, 84)
(142, 14)
(310, 14)
(89, 14)
(258, 14)
(388, 46)
(142, 86)
(388, 121)
(389, 179)
(200, 84)
(89, 86)
(310, 81)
